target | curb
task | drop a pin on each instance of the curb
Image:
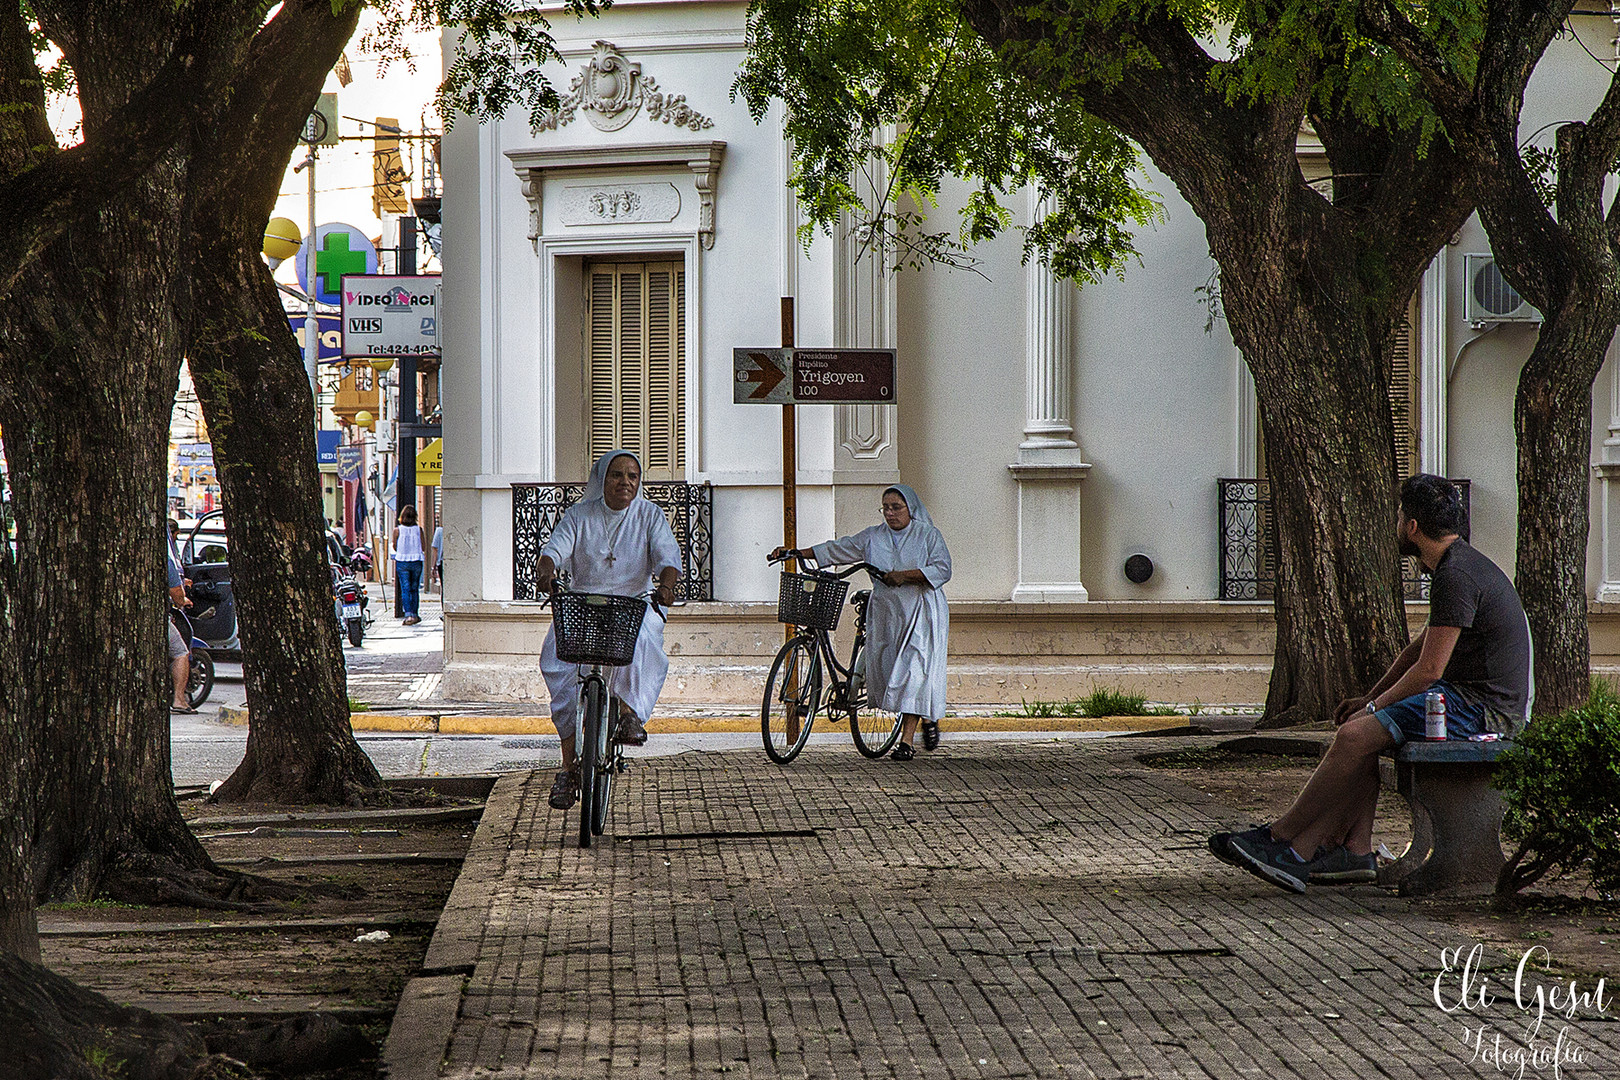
(453, 724)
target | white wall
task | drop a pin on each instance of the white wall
(1153, 391)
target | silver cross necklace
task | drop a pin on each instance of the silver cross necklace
(614, 539)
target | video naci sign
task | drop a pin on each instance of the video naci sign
(387, 315)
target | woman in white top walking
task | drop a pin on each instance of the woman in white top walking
(409, 559)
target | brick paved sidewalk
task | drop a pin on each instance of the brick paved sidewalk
(991, 910)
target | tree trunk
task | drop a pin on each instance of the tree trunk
(1552, 419)
(19, 932)
(1340, 618)
(92, 353)
(1313, 289)
(53, 1026)
(260, 414)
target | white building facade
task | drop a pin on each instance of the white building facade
(599, 272)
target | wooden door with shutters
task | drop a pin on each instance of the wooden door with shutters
(1403, 394)
(635, 364)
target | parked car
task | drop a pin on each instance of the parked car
(205, 552)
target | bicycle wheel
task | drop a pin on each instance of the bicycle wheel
(202, 677)
(792, 698)
(591, 705)
(607, 757)
(875, 730)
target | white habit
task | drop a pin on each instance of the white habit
(618, 552)
(907, 628)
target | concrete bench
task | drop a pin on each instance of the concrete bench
(1456, 817)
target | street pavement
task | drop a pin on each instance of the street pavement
(994, 909)
(396, 671)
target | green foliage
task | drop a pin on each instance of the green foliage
(501, 51)
(1100, 702)
(1115, 702)
(1561, 781)
(101, 1059)
(1285, 49)
(1541, 165)
(884, 99)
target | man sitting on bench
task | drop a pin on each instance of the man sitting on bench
(1475, 649)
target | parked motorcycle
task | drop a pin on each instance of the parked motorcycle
(201, 683)
(352, 604)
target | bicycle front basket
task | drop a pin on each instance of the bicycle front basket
(595, 628)
(814, 602)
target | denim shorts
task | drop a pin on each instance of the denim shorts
(1404, 719)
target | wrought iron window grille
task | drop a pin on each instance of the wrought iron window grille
(537, 508)
(1248, 543)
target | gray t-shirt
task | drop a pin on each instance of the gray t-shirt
(1492, 659)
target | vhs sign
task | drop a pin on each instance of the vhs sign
(387, 315)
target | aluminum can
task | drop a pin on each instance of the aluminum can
(1434, 715)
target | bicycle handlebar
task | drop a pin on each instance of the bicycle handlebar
(559, 584)
(803, 555)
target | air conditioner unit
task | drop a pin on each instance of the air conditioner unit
(1488, 298)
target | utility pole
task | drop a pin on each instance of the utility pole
(312, 328)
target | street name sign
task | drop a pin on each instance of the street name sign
(812, 376)
(388, 315)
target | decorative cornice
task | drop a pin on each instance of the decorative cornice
(610, 90)
(702, 159)
(1026, 471)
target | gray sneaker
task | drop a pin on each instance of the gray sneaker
(1274, 861)
(1339, 867)
(1220, 844)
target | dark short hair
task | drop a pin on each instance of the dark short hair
(1434, 503)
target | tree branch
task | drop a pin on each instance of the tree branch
(43, 197)
(254, 132)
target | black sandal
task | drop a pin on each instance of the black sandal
(930, 734)
(902, 752)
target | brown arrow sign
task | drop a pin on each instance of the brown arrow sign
(761, 376)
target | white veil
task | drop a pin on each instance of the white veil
(593, 486)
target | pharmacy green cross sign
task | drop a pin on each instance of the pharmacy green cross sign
(339, 249)
(334, 259)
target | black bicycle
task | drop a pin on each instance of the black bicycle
(794, 693)
(596, 631)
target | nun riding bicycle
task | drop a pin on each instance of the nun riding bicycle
(614, 543)
(906, 628)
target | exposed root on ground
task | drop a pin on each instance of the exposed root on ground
(58, 1030)
(250, 788)
(155, 881)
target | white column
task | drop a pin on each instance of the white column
(1433, 368)
(1248, 420)
(1047, 419)
(1049, 466)
(1608, 472)
(866, 438)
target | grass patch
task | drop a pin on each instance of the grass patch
(91, 905)
(1100, 702)
(356, 705)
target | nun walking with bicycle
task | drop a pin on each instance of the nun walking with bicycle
(908, 619)
(612, 541)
